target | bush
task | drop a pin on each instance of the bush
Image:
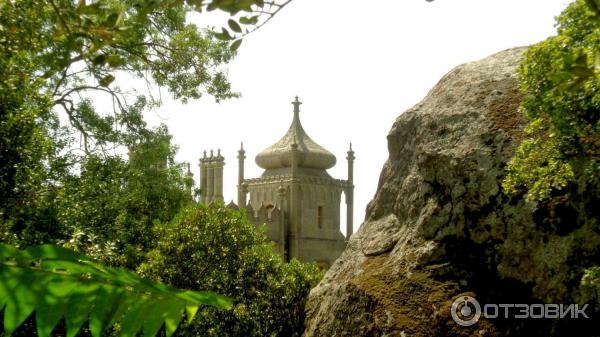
(218, 249)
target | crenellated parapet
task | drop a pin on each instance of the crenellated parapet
(273, 217)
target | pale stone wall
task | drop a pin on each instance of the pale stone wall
(322, 244)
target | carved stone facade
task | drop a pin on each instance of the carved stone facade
(295, 196)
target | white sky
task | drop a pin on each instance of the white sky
(356, 66)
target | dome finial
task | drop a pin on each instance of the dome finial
(296, 104)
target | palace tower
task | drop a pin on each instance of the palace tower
(295, 196)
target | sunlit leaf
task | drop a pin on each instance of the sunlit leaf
(58, 283)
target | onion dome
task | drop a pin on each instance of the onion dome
(310, 154)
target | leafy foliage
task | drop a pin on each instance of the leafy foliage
(58, 57)
(56, 282)
(546, 169)
(558, 164)
(218, 249)
(590, 286)
(591, 280)
(560, 78)
(63, 180)
(110, 208)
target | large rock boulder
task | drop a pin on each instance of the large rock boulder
(440, 225)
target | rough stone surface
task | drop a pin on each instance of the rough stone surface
(440, 226)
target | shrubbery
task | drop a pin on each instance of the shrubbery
(218, 249)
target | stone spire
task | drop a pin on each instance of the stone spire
(310, 154)
(349, 191)
(203, 178)
(241, 187)
(219, 162)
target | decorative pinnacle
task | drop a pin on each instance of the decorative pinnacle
(296, 104)
(350, 154)
(211, 154)
(241, 153)
(218, 152)
(204, 154)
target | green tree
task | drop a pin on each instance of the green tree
(109, 209)
(557, 165)
(218, 249)
(560, 79)
(55, 56)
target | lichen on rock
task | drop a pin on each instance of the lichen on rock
(440, 225)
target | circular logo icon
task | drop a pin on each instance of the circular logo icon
(465, 311)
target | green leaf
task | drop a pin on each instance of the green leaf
(112, 20)
(10, 253)
(53, 306)
(106, 303)
(106, 80)
(249, 20)
(21, 301)
(235, 45)
(173, 311)
(190, 312)
(154, 319)
(224, 35)
(114, 60)
(133, 318)
(234, 26)
(212, 6)
(207, 298)
(73, 267)
(92, 9)
(57, 282)
(81, 303)
(54, 252)
(99, 60)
